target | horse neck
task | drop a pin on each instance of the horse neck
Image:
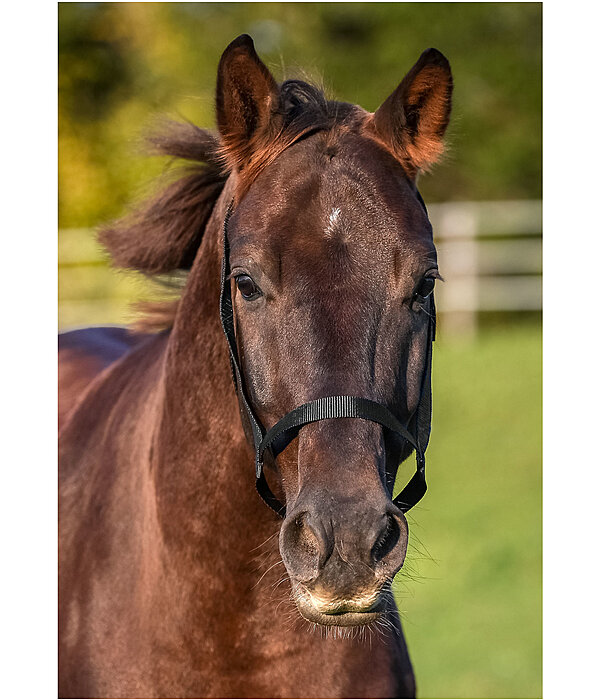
(204, 476)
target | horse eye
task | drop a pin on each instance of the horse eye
(247, 288)
(424, 289)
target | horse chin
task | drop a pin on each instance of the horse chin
(341, 614)
(350, 619)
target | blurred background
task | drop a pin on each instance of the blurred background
(470, 592)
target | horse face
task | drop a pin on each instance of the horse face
(331, 256)
(328, 263)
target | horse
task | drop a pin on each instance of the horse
(306, 308)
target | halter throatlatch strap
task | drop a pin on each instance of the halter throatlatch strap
(277, 438)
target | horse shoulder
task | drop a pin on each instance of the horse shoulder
(106, 516)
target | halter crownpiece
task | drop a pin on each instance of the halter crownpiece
(278, 437)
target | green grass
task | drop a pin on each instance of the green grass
(471, 590)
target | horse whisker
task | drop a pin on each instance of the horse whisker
(280, 561)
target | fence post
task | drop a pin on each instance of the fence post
(457, 228)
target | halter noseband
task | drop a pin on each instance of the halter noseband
(278, 437)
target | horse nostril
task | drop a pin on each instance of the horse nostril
(387, 540)
(304, 546)
(305, 535)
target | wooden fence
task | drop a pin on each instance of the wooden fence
(490, 255)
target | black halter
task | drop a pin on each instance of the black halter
(278, 437)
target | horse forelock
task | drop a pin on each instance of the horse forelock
(303, 110)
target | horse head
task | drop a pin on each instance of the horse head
(332, 268)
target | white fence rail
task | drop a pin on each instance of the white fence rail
(490, 255)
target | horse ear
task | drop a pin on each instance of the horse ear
(413, 119)
(247, 102)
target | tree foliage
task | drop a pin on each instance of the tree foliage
(122, 64)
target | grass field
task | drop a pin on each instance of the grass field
(471, 591)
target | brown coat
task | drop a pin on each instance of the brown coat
(173, 580)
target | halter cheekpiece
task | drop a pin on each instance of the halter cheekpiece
(278, 437)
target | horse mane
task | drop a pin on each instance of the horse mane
(163, 234)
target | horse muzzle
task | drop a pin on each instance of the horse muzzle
(330, 611)
(341, 565)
